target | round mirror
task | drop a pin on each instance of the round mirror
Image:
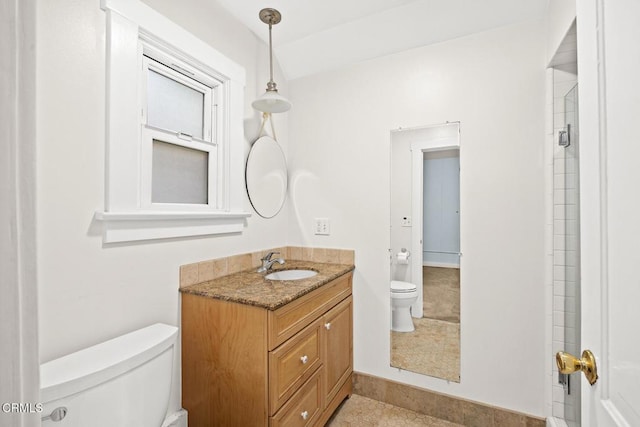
(266, 177)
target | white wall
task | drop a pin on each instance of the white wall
(400, 200)
(494, 83)
(87, 292)
(560, 15)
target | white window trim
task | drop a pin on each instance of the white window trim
(125, 217)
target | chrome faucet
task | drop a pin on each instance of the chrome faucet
(267, 262)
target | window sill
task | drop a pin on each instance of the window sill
(136, 226)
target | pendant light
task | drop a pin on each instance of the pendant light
(271, 101)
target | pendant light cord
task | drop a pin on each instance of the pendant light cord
(265, 117)
(270, 57)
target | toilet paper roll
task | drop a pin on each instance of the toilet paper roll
(403, 257)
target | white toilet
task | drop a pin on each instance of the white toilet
(403, 295)
(122, 382)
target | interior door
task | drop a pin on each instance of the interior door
(609, 72)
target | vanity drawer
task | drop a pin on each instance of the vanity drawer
(304, 408)
(286, 321)
(291, 364)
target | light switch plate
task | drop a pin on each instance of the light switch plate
(406, 221)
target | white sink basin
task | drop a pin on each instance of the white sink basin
(290, 275)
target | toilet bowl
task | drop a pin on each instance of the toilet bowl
(403, 295)
(122, 382)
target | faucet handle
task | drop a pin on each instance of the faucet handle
(268, 256)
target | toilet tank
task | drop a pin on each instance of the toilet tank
(122, 382)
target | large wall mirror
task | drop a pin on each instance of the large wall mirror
(425, 250)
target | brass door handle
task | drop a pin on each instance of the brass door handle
(568, 364)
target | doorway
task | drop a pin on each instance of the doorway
(565, 278)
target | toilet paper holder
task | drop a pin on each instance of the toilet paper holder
(402, 257)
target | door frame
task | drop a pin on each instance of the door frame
(19, 373)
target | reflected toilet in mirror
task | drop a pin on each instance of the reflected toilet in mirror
(266, 177)
(425, 217)
(403, 296)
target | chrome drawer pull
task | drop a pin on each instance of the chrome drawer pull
(304, 359)
(304, 415)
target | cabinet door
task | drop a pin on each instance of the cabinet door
(338, 332)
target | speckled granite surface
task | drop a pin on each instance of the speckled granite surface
(250, 287)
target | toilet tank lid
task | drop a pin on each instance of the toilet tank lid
(94, 365)
(402, 286)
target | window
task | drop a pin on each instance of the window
(180, 150)
(174, 144)
(179, 174)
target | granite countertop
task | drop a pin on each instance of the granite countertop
(250, 287)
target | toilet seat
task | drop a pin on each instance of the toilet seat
(400, 287)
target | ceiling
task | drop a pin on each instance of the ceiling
(321, 35)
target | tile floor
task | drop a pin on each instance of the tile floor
(441, 296)
(359, 411)
(434, 347)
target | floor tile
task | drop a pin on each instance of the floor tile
(359, 411)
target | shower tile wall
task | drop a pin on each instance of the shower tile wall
(564, 285)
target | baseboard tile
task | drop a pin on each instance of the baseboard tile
(438, 405)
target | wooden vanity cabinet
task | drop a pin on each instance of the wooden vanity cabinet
(244, 365)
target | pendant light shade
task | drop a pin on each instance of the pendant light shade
(271, 101)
